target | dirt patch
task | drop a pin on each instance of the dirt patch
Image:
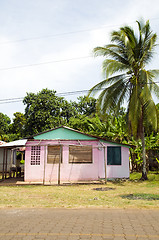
(104, 189)
(140, 196)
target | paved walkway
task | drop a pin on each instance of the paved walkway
(76, 224)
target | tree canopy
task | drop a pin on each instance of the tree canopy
(45, 110)
(127, 79)
(81, 115)
(4, 124)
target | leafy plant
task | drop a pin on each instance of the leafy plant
(128, 79)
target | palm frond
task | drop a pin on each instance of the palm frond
(108, 52)
(105, 83)
(113, 95)
(149, 107)
(148, 78)
(111, 66)
(128, 54)
(129, 35)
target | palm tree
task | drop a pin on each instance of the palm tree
(128, 80)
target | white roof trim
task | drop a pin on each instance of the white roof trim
(17, 143)
(2, 142)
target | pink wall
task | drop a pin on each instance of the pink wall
(121, 171)
(73, 172)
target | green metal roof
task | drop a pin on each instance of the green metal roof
(63, 133)
(115, 143)
(66, 133)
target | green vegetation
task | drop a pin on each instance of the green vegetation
(45, 110)
(153, 177)
(82, 117)
(80, 196)
(142, 196)
(128, 79)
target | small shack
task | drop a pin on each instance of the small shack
(67, 155)
(8, 158)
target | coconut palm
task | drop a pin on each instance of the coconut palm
(128, 80)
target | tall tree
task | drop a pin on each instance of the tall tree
(85, 105)
(18, 125)
(45, 110)
(4, 124)
(127, 79)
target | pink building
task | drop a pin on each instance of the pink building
(66, 155)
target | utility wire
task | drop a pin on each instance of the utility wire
(7, 99)
(66, 33)
(58, 34)
(43, 63)
(49, 36)
(20, 99)
(10, 100)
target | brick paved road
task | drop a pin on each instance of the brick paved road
(76, 224)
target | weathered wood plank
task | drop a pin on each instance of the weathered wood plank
(80, 154)
(53, 154)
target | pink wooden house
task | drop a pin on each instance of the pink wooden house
(66, 155)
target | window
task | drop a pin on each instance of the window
(114, 155)
(80, 154)
(35, 155)
(54, 154)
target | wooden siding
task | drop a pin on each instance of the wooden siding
(53, 155)
(80, 154)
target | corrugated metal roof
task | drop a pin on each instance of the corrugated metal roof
(17, 143)
(63, 133)
(66, 133)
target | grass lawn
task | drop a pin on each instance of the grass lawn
(131, 193)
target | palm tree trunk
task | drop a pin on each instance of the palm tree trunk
(144, 172)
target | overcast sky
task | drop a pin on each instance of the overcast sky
(48, 43)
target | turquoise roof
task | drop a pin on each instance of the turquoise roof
(114, 143)
(63, 133)
(66, 133)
